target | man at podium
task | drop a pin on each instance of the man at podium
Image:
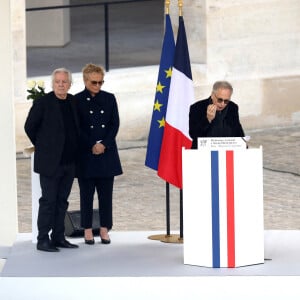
(218, 215)
(216, 116)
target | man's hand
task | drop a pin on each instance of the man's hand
(211, 112)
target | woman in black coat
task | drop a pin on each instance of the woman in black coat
(216, 116)
(99, 160)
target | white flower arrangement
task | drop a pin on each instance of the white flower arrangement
(36, 89)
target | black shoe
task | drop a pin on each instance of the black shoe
(89, 242)
(105, 241)
(64, 244)
(46, 246)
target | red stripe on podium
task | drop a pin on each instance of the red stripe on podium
(230, 209)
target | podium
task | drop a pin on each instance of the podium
(223, 204)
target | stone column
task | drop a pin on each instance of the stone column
(252, 39)
(18, 31)
(8, 185)
(48, 28)
(194, 14)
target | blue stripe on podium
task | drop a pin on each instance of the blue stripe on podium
(215, 208)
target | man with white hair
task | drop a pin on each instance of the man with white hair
(216, 116)
(52, 127)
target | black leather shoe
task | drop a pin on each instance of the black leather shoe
(64, 244)
(46, 246)
(89, 242)
(105, 241)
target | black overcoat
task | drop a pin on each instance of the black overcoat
(99, 122)
(45, 128)
(200, 127)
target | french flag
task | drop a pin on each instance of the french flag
(223, 207)
(181, 96)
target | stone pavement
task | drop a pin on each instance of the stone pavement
(139, 194)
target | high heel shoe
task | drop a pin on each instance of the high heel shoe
(89, 242)
(89, 233)
(104, 232)
(105, 241)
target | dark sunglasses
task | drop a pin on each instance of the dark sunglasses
(97, 82)
(220, 100)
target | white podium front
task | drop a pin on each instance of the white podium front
(223, 206)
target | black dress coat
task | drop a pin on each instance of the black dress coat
(99, 122)
(45, 128)
(199, 125)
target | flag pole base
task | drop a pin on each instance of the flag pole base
(173, 238)
(156, 237)
(167, 238)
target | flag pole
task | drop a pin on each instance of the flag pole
(168, 237)
(168, 208)
(178, 238)
(180, 5)
(181, 215)
(167, 6)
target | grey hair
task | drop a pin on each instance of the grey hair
(61, 70)
(222, 85)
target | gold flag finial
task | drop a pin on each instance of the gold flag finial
(180, 5)
(167, 5)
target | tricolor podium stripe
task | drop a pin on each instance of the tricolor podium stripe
(223, 207)
(219, 214)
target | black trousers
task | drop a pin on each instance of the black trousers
(54, 202)
(104, 188)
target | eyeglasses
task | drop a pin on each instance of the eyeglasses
(220, 100)
(97, 82)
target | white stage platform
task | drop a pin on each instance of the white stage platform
(133, 266)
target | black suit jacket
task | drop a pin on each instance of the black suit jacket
(45, 128)
(200, 127)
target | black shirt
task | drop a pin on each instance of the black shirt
(71, 138)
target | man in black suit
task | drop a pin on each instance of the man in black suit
(52, 127)
(216, 116)
(99, 160)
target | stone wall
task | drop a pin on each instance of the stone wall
(253, 44)
(253, 39)
(48, 28)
